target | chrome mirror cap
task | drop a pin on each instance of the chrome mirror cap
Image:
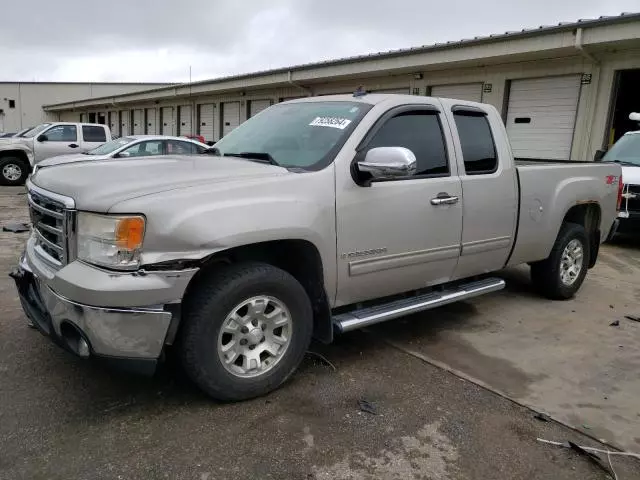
(388, 162)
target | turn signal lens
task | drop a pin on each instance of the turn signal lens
(130, 233)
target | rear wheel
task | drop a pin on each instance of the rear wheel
(245, 330)
(13, 171)
(560, 275)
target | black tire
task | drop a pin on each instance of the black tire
(18, 164)
(545, 275)
(205, 309)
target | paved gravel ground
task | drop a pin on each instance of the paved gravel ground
(63, 418)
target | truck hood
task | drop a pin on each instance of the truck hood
(631, 175)
(7, 143)
(98, 185)
(73, 158)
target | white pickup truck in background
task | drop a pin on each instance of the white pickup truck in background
(19, 154)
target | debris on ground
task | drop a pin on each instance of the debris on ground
(590, 453)
(586, 427)
(611, 306)
(323, 358)
(16, 227)
(367, 407)
(543, 417)
(633, 318)
(615, 324)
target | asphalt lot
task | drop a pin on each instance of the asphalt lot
(63, 418)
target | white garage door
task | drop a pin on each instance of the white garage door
(208, 128)
(471, 92)
(230, 116)
(114, 123)
(185, 120)
(152, 122)
(125, 122)
(168, 121)
(256, 106)
(402, 90)
(541, 116)
(138, 122)
(83, 118)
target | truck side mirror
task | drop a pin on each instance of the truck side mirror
(124, 154)
(388, 162)
(42, 138)
(598, 156)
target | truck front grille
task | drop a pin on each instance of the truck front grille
(50, 220)
(632, 201)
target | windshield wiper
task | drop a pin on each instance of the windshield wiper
(623, 162)
(260, 156)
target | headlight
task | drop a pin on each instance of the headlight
(113, 241)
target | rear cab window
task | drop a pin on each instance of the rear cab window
(94, 133)
(476, 140)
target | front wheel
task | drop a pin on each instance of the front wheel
(560, 275)
(245, 330)
(13, 171)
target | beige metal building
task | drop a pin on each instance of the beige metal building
(564, 90)
(21, 102)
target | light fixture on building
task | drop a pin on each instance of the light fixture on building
(417, 76)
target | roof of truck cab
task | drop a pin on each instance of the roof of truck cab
(374, 99)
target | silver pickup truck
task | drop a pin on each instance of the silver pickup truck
(320, 216)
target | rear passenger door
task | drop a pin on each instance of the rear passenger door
(92, 136)
(391, 237)
(489, 188)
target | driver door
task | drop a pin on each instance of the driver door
(60, 140)
(394, 236)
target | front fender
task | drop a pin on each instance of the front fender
(194, 223)
(17, 150)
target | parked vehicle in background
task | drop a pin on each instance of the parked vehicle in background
(199, 138)
(321, 215)
(626, 153)
(19, 154)
(132, 146)
(7, 134)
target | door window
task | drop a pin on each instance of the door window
(62, 133)
(176, 147)
(478, 148)
(91, 133)
(145, 149)
(419, 131)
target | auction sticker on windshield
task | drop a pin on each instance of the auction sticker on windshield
(332, 122)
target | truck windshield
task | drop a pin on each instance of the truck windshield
(303, 135)
(111, 146)
(625, 150)
(35, 130)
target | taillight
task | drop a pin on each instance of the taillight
(620, 190)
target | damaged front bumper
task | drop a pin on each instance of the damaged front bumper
(129, 337)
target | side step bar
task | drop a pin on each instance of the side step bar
(345, 322)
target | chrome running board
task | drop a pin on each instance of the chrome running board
(345, 322)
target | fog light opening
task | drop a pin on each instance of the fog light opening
(75, 340)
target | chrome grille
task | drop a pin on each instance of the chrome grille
(633, 198)
(49, 218)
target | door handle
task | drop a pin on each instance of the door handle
(444, 199)
(73, 145)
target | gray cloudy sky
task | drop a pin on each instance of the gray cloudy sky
(157, 40)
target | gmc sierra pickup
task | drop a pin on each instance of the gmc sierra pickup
(320, 216)
(18, 154)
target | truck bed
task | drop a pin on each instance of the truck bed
(525, 162)
(549, 189)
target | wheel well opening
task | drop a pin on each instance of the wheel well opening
(588, 215)
(299, 258)
(19, 154)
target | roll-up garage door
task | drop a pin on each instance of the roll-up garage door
(541, 116)
(230, 116)
(168, 121)
(138, 122)
(184, 128)
(471, 92)
(256, 106)
(83, 118)
(206, 117)
(114, 123)
(151, 122)
(401, 90)
(125, 122)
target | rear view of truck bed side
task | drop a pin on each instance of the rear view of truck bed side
(553, 193)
